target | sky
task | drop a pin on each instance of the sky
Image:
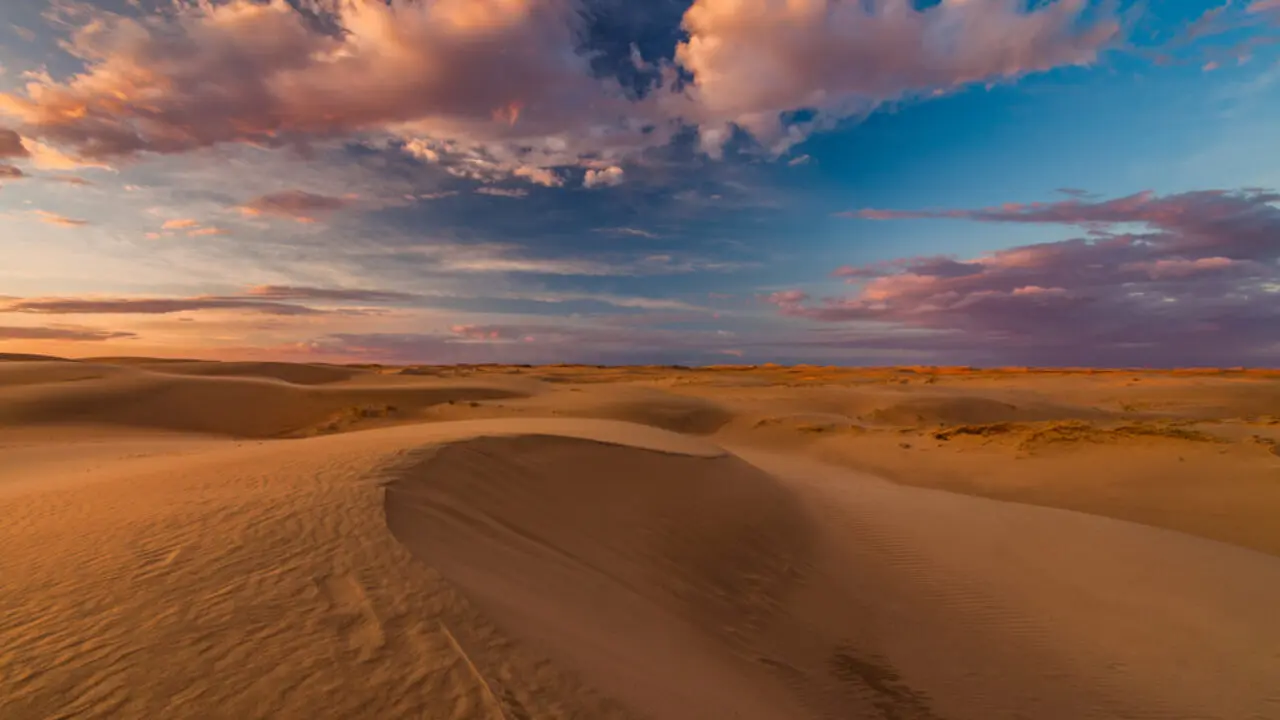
(848, 182)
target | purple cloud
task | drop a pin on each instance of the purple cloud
(1196, 283)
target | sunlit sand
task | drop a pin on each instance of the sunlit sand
(194, 539)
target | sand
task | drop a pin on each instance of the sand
(205, 540)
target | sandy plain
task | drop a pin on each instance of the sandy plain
(185, 539)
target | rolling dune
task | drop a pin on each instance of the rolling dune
(194, 540)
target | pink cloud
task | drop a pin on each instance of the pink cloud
(260, 73)
(1182, 267)
(517, 98)
(297, 205)
(753, 59)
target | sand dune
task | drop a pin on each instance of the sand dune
(757, 543)
(210, 401)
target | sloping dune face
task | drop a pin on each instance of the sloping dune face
(640, 569)
(705, 587)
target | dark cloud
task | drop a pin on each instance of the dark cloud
(11, 145)
(290, 292)
(59, 333)
(150, 306)
(265, 299)
(11, 172)
(1199, 283)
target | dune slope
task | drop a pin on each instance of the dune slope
(642, 569)
(693, 588)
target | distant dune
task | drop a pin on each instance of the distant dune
(190, 539)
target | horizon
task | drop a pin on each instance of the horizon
(987, 184)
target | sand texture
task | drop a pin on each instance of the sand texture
(186, 539)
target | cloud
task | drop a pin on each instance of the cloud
(492, 89)
(180, 224)
(1243, 222)
(68, 179)
(608, 177)
(504, 258)
(295, 204)
(636, 232)
(280, 300)
(11, 145)
(1186, 278)
(260, 72)
(11, 172)
(150, 306)
(61, 333)
(47, 157)
(503, 192)
(539, 176)
(206, 232)
(290, 292)
(752, 60)
(56, 219)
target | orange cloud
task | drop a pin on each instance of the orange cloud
(181, 224)
(297, 205)
(56, 219)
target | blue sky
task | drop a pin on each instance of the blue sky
(676, 181)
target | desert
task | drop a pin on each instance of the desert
(217, 539)
(639, 360)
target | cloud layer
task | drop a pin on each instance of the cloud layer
(501, 88)
(8, 332)
(753, 60)
(1188, 278)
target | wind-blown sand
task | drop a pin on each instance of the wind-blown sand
(200, 540)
